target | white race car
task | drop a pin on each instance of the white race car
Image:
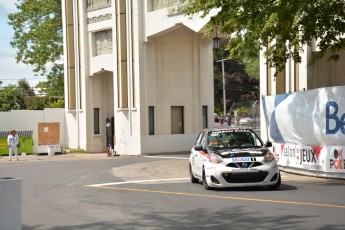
(232, 157)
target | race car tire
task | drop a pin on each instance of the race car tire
(204, 181)
(192, 178)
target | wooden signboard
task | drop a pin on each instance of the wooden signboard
(49, 133)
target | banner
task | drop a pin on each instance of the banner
(312, 158)
(308, 118)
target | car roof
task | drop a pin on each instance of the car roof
(227, 128)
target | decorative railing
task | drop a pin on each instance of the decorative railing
(97, 4)
(99, 18)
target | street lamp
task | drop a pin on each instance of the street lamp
(224, 95)
(216, 42)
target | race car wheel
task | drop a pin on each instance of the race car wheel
(204, 181)
(276, 185)
(192, 178)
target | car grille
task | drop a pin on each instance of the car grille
(244, 164)
(248, 177)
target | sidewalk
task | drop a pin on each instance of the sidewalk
(68, 156)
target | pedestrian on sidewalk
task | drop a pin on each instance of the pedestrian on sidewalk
(13, 144)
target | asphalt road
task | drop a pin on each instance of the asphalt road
(91, 191)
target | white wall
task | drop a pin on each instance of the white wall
(168, 143)
(26, 120)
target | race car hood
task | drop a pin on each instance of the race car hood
(241, 152)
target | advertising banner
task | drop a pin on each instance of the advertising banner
(313, 117)
(308, 129)
(312, 158)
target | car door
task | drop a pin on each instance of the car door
(198, 155)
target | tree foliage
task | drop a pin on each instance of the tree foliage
(38, 39)
(55, 84)
(290, 24)
(23, 97)
(10, 98)
(240, 87)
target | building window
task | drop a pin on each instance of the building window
(96, 121)
(177, 123)
(280, 82)
(151, 120)
(204, 117)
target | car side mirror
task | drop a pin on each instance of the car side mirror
(198, 148)
(268, 144)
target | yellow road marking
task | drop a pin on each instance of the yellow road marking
(224, 197)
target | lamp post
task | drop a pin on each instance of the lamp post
(224, 94)
(216, 46)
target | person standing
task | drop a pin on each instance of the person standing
(13, 142)
(228, 119)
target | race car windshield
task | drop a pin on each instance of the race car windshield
(224, 139)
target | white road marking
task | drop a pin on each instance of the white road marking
(134, 182)
(182, 158)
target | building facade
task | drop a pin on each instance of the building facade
(138, 76)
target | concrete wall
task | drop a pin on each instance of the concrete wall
(25, 120)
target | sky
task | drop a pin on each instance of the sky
(10, 70)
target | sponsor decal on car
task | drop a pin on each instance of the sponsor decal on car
(216, 133)
(240, 159)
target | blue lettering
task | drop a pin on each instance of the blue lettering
(339, 123)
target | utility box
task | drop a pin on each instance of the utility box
(25, 138)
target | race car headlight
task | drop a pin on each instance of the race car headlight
(214, 158)
(268, 157)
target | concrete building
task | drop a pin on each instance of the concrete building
(138, 75)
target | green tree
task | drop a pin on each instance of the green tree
(252, 66)
(240, 87)
(24, 88)
(39, 103)
(241, 79)
(292, 23)
(22, 96)
(10, 98)
(55, 84)
(38, 39)
(13, 96)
